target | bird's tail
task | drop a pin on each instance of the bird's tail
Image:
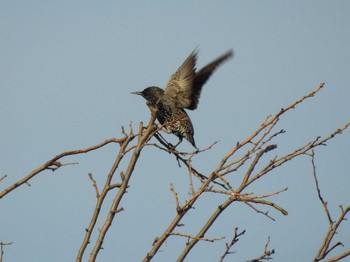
(190, 139)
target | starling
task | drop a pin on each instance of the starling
(182, 92)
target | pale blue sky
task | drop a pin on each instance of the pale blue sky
(66, 72)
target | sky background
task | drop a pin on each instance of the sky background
(66, 72)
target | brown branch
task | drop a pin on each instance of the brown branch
(325, 206)
(268, 195)
(190, 172)
(266, 213)
(176, 221)
(265, 127)
(267, 122)
(143, 138)
(269, 167)
(224, 192)
(206, 227)
(339, 257)
(259, 200)
(234, 240)
(117, 185)
(255, 162)
(267, 254)
(300, 151)
(94, 184)
(325, 248)
(178, 156)
(54, 162)
(56, 165)
(100, 200)
(176, 197)
(193, 237)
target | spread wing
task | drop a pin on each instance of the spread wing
(180, 85)
(202, 76)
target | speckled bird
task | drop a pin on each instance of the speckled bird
(182, 92)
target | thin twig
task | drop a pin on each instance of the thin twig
(143, 138)
(94, 184)
(234, 240)
(325, 248)
(269, 121)
(100, 200)
(175, 196)
(54, 161)
(3, 177)
(325, 206)
(197, 238)
(2, 244)
(266, 255)
(185, 161)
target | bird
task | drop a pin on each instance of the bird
(182, 92)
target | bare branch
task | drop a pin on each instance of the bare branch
(56, 165)
(54, 162)
(267, 203)
(3, 177)
(318, 188)
(255, 162)
(143, 138)
(267, 122)
(194, 237)
(94, 184)
(244, 159)
(178, 156)
(255, 141)
(234, 240)
(326, 247)
(178, 208)
(267, 254)
(339, 257)
(2, 244)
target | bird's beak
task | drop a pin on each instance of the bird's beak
(137, 93)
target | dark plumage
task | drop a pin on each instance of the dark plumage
(182, 92)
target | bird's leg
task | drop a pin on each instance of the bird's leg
(168, 144)
(161, 137)
(178, 143)
(162, 140)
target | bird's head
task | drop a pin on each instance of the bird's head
(152, 94)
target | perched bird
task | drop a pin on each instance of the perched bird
(182, 92)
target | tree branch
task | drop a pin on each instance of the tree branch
(143, 138)
(54, 162)
(325, 248)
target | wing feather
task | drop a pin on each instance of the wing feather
(179, 87)
(203, 75)
(184, 87)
